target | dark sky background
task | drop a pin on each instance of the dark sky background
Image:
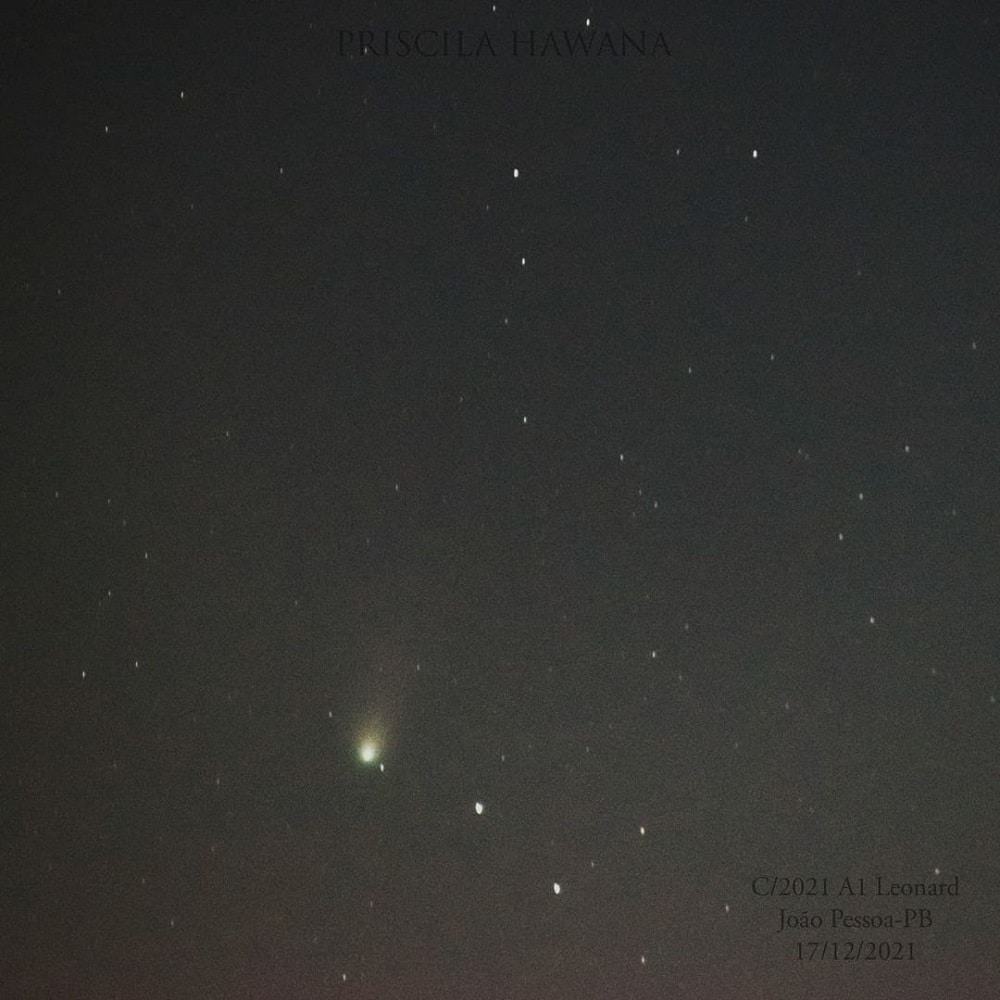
(676, 548)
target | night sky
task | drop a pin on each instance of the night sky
(465, 518)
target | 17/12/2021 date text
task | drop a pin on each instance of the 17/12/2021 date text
(855, 951)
